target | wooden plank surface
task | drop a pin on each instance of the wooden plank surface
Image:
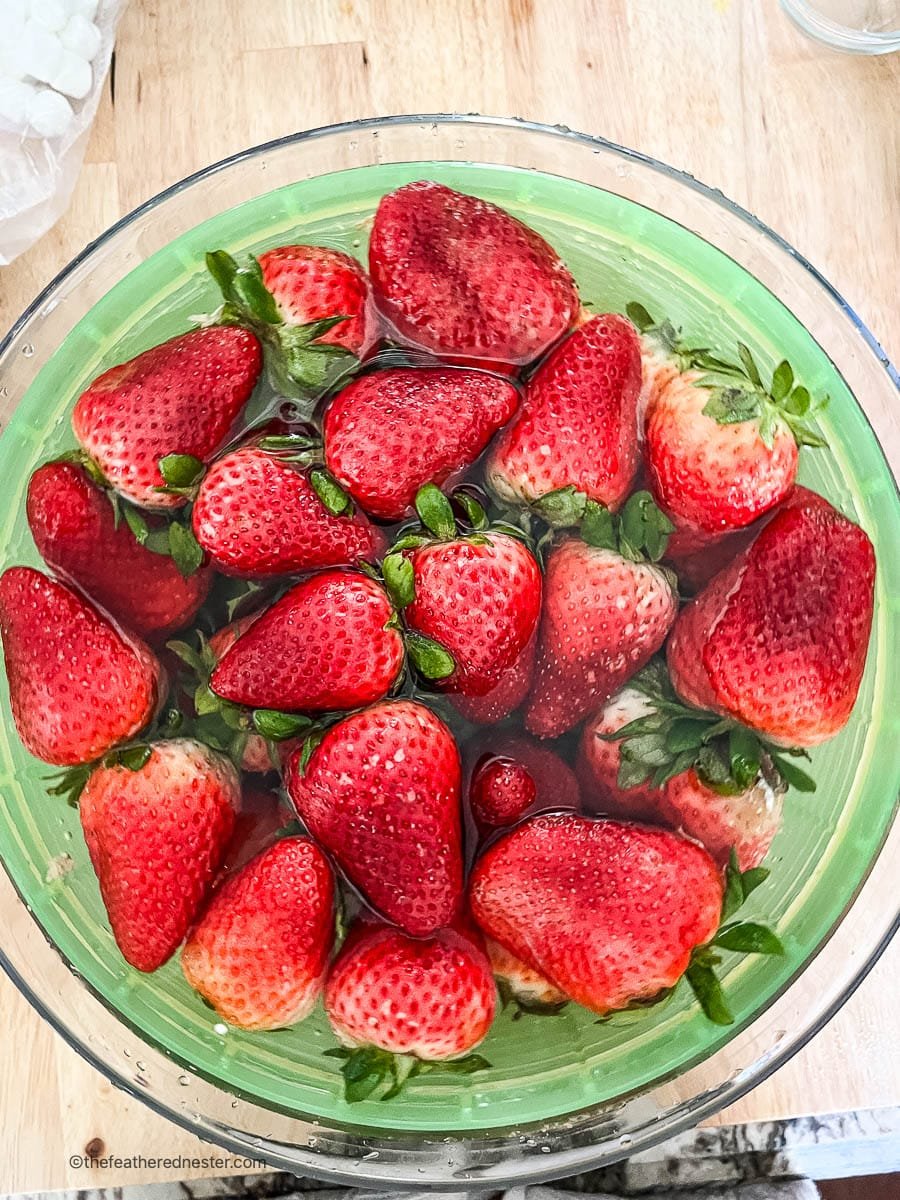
(726, 90)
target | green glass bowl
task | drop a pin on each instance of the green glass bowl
(562, 1092)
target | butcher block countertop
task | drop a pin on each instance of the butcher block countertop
(728, 90)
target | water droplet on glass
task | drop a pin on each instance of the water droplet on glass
(625, 1140)
(545, 1149)
(28, 350)
(183, 1080)
(220, 1029)
(127, 1053)
(234, 1104)
(140, 1066)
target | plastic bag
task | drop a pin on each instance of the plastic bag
(48, 98)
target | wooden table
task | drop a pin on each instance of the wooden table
(727, 90)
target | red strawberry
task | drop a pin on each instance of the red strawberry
(257, 755)
(433, 999)
(157, 834)
(180, 398)
(502, 791)
(257, 514)
(459, 276)
(309, 283)
(778, 639)
(720, 446)
(77, 684)
(746, 821)
(326, 644)
(479, 597)
(745, 824)
(528, 988)
(712, 476)
(76, 531)
(604, 617)
(381, 792)
(553, 780)
(599, 759)
(390, 432)
(608, 912)
(311, 308)
(260, 951)
(577, 426)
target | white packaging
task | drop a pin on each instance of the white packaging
(43, 133)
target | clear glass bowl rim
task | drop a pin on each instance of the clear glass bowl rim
(484, 1160)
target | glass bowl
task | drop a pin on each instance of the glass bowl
(564, 1093)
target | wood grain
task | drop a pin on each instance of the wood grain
(728, 91)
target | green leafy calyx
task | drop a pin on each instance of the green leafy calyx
(639, 531)
(737, 391)
(330, 492)
(741, 937)
(371, 1073)
(674, 737)
(299, 362)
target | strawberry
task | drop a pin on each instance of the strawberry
(310, 306)
(460, 277)
(77, 684)
(83, 538)
(328, 643)
(744, 824)
(577, 426)
(312, 282)
(381, 792)
(721, 446)
(399, 1004)
(258, 755)
(156, 831)
(599, 762)
(743, 814)
(477, 597)
(792, 669)
(177, 402)
(610, 913)
(521, 985)
(502, 790)
(259, 953)
(258, 514)
(606, 612)
(390, 432)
